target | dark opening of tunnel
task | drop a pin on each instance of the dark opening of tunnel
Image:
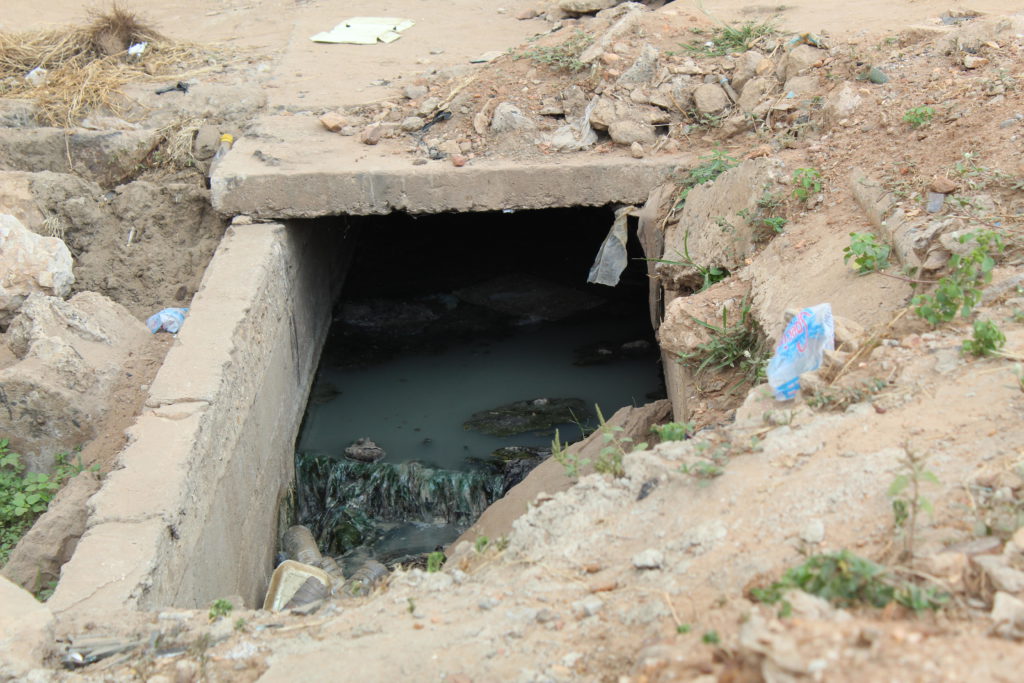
(459, 344)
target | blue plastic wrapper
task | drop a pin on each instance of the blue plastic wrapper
(808, 335)
(169, 319)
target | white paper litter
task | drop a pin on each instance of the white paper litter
(365, 31)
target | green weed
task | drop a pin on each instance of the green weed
(562, 57)
(919, 116)
(683, 628)
(711, 638)
(610, 461)
(709, 274)
(23, 497)
(867, 252)
(907, 500)
(845, 580)
(674, 431)
(987, 340)
(727, 39)
(710, 167)
(807, 182)
(570, 462)
(220, 608)
(733, 345)
(960, 290)
(435, 561)
(481, 543)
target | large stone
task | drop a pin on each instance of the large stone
(71, 353)
(585, 6)
(508, 118)
(710, 99)
(643, 69)
(799, 59)
(1008, 616)
(629, 132)
(108, 157)
(751, 64)
(26, 631)
(842, 103)
(801, 86)
(753, 94)
(609, 109)
(18, 200)
(30, 263)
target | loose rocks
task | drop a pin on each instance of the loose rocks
(630, 132)
(30, 263)
(710, 99)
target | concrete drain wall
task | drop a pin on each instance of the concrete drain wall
(191, 515)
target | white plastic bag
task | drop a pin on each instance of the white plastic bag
(169, 319)
(808, 335)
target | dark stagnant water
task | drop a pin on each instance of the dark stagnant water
(446, 316)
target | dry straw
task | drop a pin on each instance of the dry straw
(88, 65)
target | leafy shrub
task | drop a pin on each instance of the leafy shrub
(960, 290)
(867, 252)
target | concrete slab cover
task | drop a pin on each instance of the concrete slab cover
(316, 174)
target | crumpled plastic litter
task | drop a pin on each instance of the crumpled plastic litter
(612, 257)
(801, 349)
(169, 319)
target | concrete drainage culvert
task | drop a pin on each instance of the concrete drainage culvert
(460, 343)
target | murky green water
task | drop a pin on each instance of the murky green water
(414, 406)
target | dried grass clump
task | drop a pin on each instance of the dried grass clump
(88, 65)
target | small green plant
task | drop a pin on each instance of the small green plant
(711, 638)
(435, 561)
(709, 167)
(727, 39)
(709, 274)
(907, 499)
(702, 470)
(674, 431)
(987, 340)
(46, 592)
(683, 628)
(733, 345)
(239, 624)
(919, 116)
(846, 579)
(411, 606)
(23, 497)
(960, 290)
(570, 462)
(220, 608)
(806, 182)
(481, 543)
(562, 57)
(610, 460)
(867, 252)
(774, 223)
